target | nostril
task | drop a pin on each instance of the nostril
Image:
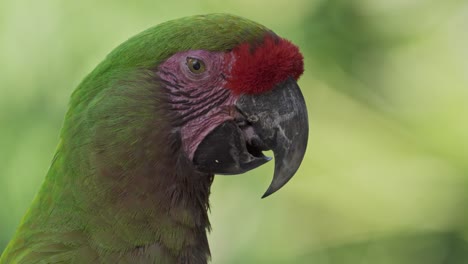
(252, 119)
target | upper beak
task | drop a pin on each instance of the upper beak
(279, 121)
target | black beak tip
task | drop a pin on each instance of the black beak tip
(268, 192)
(279, 180)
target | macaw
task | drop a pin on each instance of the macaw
(147, 130)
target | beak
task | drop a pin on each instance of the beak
(279, 122)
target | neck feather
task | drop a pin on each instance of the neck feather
(120, 179)
(155, 212)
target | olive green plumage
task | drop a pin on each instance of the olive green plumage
(119, 190)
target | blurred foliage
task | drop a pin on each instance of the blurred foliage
(343, 39)
(425, 248)
(385, 176)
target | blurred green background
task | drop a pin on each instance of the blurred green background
(385, 177)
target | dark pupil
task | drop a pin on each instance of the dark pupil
(196, 65)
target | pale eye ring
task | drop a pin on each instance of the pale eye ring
(195, 65)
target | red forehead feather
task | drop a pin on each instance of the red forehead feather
(257, 69)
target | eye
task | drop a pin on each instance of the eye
(195, 65)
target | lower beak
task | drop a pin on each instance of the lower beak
(279, 122)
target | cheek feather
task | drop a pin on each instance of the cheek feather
(257, 69)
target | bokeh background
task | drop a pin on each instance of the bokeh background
(385, 177)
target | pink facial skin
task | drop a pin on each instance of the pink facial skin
(202, 100)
